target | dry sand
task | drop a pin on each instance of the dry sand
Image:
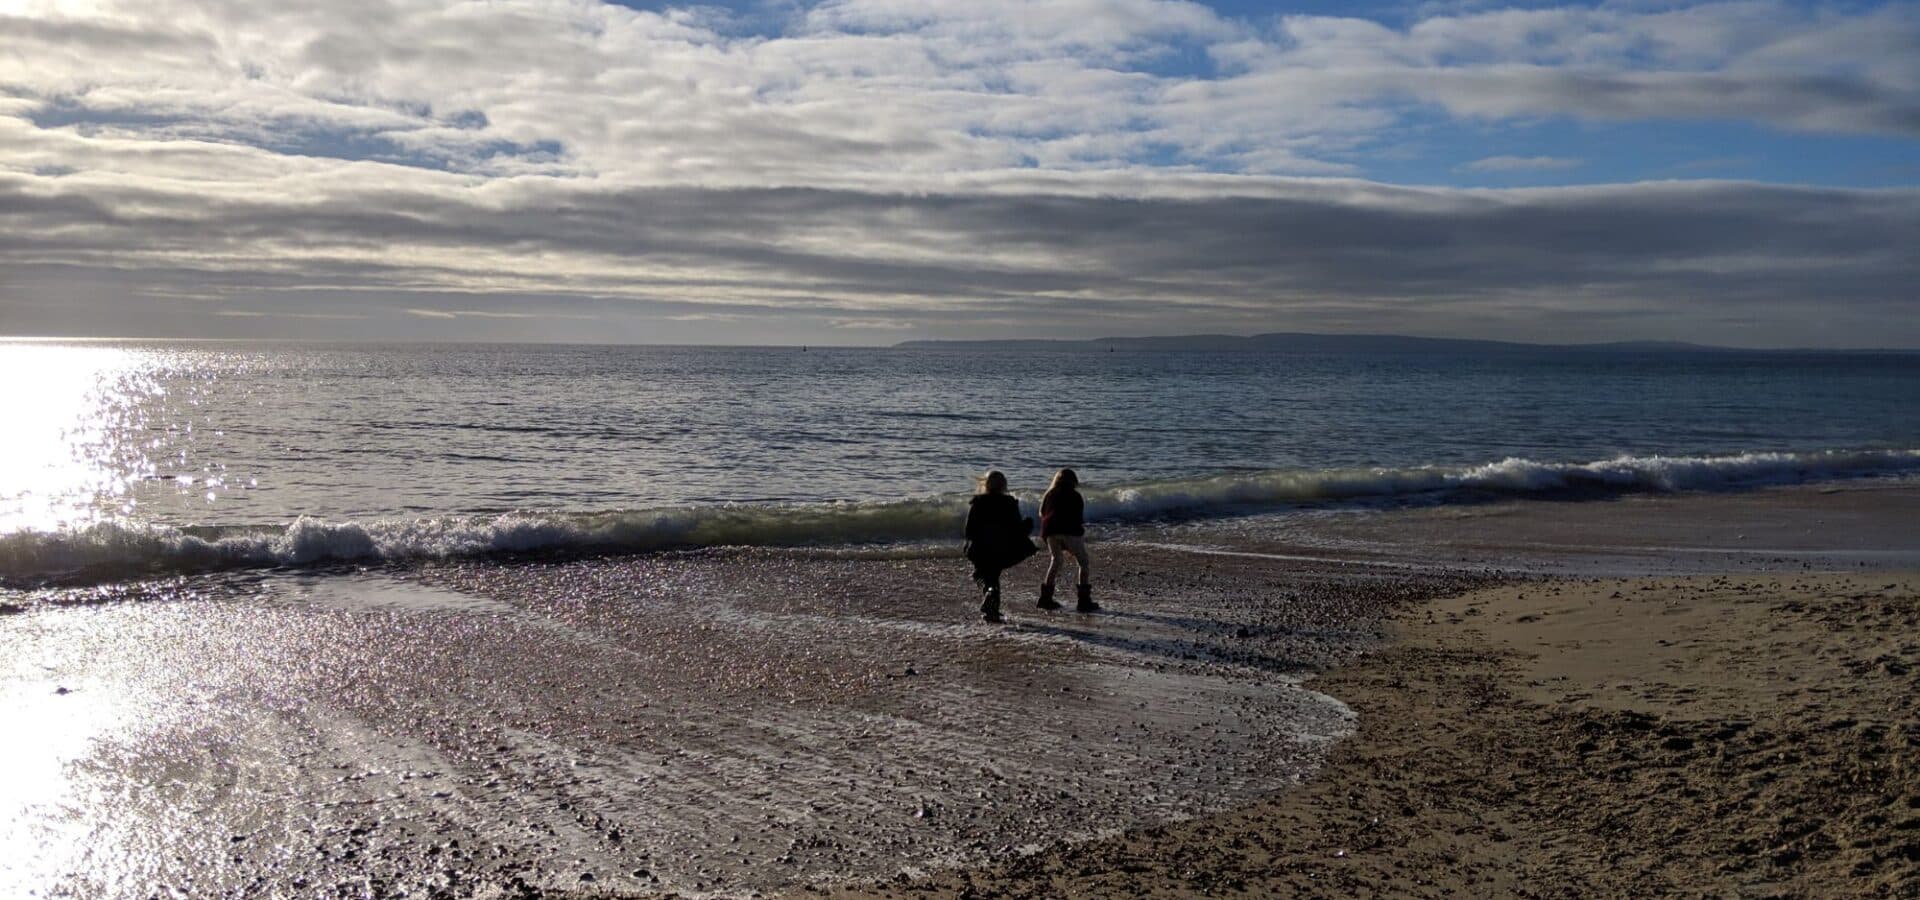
(1744, 735)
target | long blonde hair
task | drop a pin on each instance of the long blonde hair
(994, 482)
(1063, 480)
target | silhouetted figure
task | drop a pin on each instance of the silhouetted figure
(996, 539)
(1063, 526)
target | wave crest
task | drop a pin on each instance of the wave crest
(113, 548)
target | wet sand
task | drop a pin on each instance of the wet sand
(741, 722)
(1834, 526)
(718, 722)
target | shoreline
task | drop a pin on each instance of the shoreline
(749, 722)
(1749, 734)
(107, 551)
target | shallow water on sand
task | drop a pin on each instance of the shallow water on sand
(720, 721)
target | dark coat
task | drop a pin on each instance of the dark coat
(996, 534)
(1063, 512)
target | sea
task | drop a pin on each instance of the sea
(129, 457)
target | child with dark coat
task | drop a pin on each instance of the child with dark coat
(996, 539)
(1063, 527)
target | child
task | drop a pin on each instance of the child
(1063, 527)
(996, 539)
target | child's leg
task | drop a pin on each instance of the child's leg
(1079, 548)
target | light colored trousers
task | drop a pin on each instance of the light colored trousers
(1061, 544)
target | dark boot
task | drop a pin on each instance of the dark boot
(990, 605)
(1046, 598)
(1086, 603)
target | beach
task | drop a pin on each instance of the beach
(1742, 734)
(1397, 702)
(1746, 735)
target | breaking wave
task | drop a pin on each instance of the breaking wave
(115, 548)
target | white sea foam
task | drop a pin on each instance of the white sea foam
(118, 546)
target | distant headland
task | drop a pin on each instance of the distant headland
(1296, 342)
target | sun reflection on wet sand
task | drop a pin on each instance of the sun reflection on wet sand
(105, 737)
(51, 728)
(366, 733)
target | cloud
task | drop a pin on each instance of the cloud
(420, 313)
(1714, 164)
(1524, 164)
(1674, 257)
(986, 165)
(852, 87)
(874, 324)
(261, 314)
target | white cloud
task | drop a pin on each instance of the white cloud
(1524, 164)
(388, 155)
(260, 314)
(874, 324)
(857, 86)
(420, 313)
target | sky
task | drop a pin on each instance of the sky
(871, 171)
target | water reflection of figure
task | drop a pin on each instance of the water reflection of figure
(996, 539)
(1063, 526)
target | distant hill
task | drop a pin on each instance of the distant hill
(1290, 342)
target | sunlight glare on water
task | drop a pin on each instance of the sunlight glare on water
(73, 422)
